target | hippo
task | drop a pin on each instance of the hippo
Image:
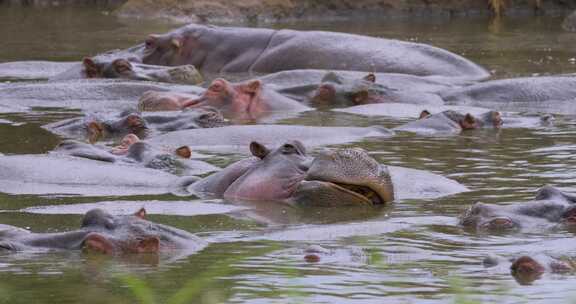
(343, 177)
(247, 100)
(101, 232)
(134, 151)
(61, 174)
(569, 23)
(548, 94)
(236, 49)
(550, 207)
(335, 90)
(106, 67)
(527, 269)
(450, 121)
(95, 128)
(95, 95)
(299, 83)
(236, 139)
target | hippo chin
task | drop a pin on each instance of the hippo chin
(104, 233)
(127, 68)
(344, 177)
(234, 49)
(550, 207)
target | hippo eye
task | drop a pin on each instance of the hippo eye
(149, 43)
(289, 149)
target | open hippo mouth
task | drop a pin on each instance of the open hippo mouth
(346, 177)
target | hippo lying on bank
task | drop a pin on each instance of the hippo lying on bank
(95, 128)
(247, 100)
(106, 67)
(335, 90)
(235, 49)
(344, 177)
(550, 207)
(104, 233)
(548, 94)
(96, 95)
(134, 151)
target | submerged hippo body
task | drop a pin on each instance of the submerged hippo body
(337, 178)
(550, 207)
(232, 49)
(41, 174)
(139, 153)
(238, 138)
(549, 94)
(97, 95)
(247, 100)
(104, 233)
(106, 67)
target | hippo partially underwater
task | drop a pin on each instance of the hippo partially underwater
(104, 233)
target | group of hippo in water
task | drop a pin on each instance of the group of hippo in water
(148, 98)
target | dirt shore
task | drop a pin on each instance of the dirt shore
(278, 10)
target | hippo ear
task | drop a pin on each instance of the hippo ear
(184, 152)
(424, 114)
(370, 77)
(468, 122)
(253, 86)
(150, 42)
(258, 150)
(175, 43)
(148, 245)
(122, 66)
(91, 69)
(332, 77)
(496, 118)
(141, 213)
(95, 131)
(97, 243)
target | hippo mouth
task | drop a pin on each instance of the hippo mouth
(362, 193)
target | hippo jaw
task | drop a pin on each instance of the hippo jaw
(348, 176)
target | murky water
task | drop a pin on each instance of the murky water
(412, 251)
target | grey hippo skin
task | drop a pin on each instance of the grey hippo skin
(235, 49)
(236, 139)
(106, 67)
(104, 233)
(450, 121)
(550, 94)
(139, 153)
(569, 23)
(287, 174)
(550, 207)
(98, 127)
(59, 174)
(34, 70)
(249, 100)
(97, 95)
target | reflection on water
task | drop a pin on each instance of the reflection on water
(412, 251)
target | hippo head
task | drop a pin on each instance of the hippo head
(274, 177)
(486, 218)
(233, 98)
(470, 122)
(119, 234)
(124, 68)
(162, 49)
(345, 177)
(130, 124)
(209, 117)
(526, 270)
(336, 89)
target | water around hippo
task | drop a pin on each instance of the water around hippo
(411, 251)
